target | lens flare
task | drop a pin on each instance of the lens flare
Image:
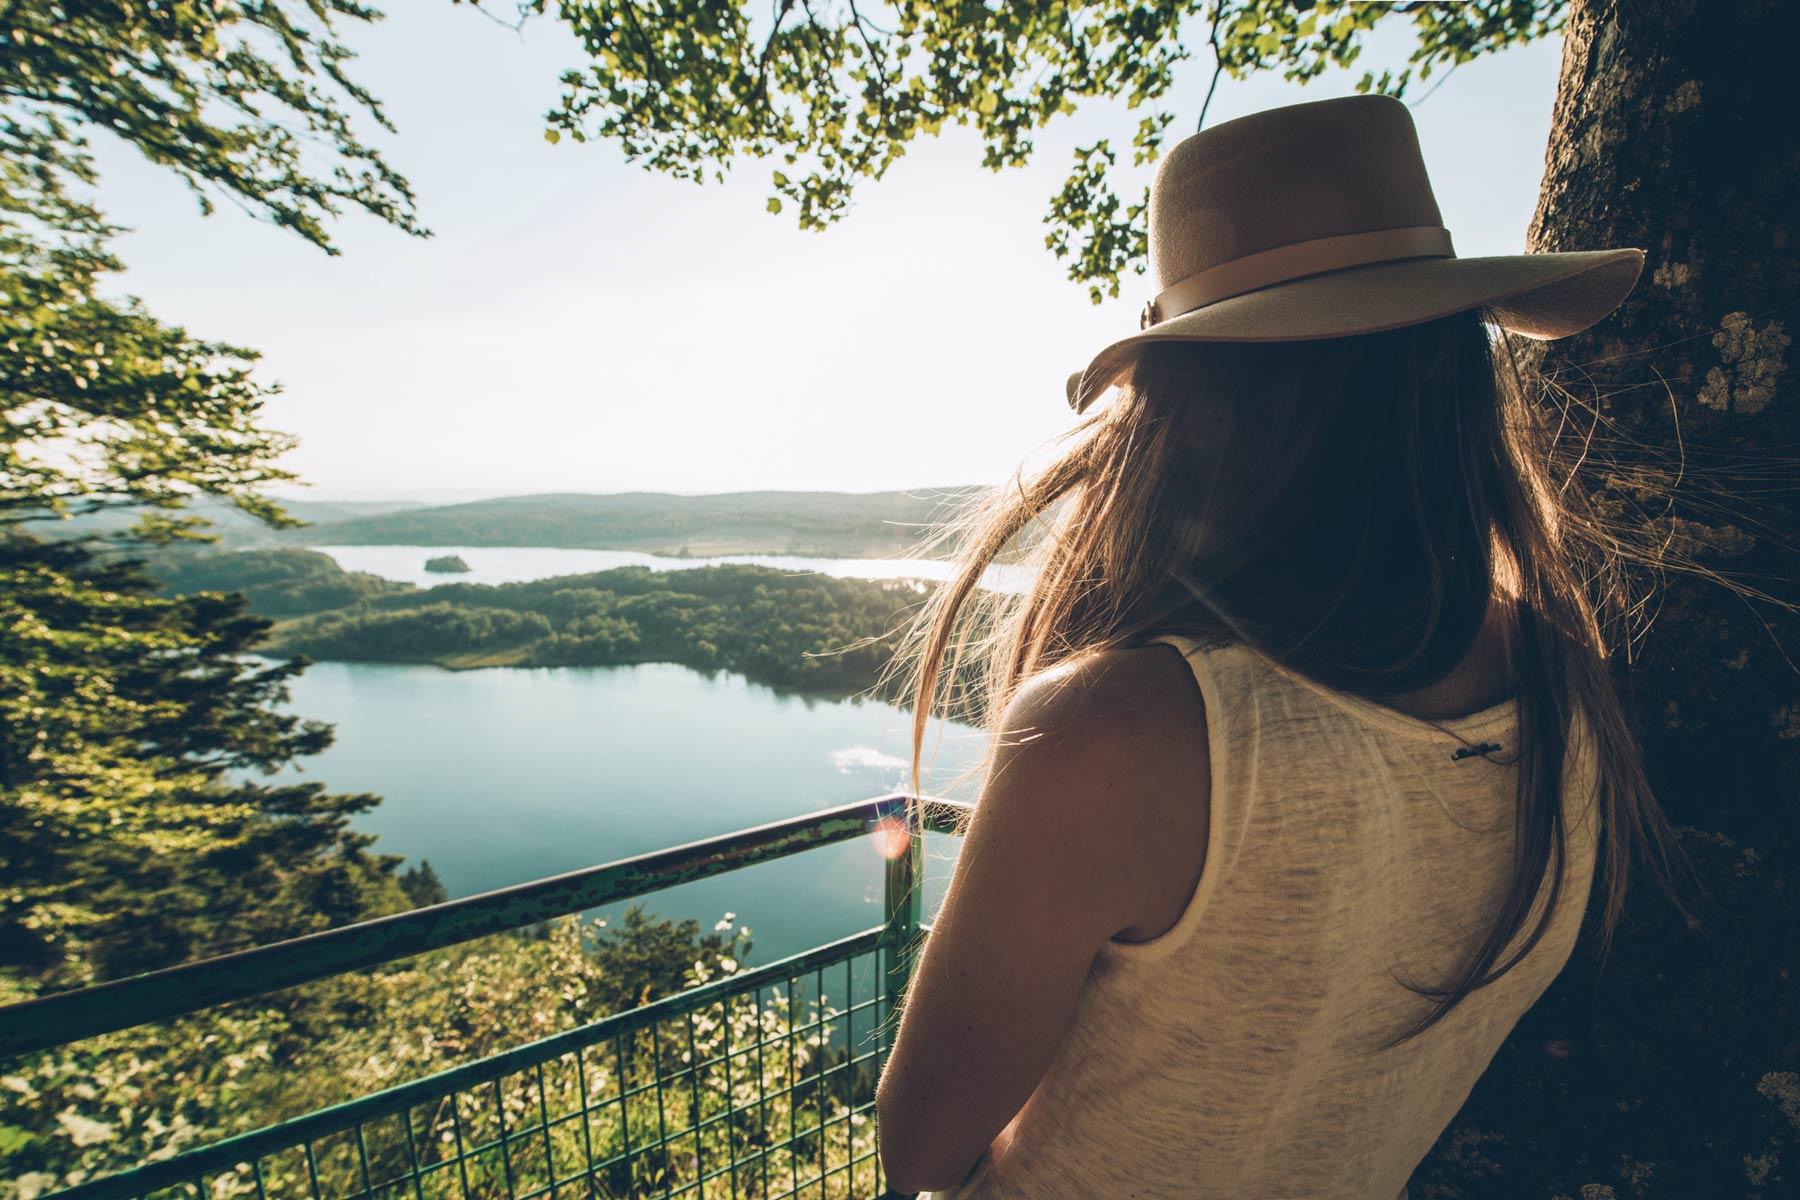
(890, 837)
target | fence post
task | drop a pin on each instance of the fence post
(904, 903)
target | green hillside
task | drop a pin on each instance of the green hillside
(281, 582)
(807, 632)
(232, 526)
(838, 524)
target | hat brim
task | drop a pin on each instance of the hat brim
(1537, 295)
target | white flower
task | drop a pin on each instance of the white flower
(33, 1184)
(83, 1131)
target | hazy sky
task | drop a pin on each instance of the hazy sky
(581, 324)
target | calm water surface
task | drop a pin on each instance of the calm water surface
(506, 775)
(517, 564)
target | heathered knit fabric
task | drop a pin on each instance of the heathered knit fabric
(1237, 1055)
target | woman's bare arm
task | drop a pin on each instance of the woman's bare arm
(1092, 823)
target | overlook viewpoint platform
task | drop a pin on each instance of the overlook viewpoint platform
(758, 1084)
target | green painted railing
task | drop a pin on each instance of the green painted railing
(758, 1084)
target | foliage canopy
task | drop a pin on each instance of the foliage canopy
(249, 99)
(837, 91)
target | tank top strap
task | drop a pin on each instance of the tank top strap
(1231, 679)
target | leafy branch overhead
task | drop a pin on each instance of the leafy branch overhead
(248, 99)
(836, 91)
(100, 403)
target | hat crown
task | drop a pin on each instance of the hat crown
(1286, 175)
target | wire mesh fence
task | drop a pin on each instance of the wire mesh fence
(757, 1084)
(756, 1089)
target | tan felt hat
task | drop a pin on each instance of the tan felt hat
(1317, 221)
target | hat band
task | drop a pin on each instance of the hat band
(1295, 260)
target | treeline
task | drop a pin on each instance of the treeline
(775, 627)
(843, 524)
(278, 583)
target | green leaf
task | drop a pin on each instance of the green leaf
(774, 204)
(686, 85)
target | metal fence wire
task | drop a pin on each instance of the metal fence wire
(758, 1092)
(756, 1085)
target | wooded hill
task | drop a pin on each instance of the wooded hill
(839, 524)
(778, 627)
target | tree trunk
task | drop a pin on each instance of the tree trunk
(1671, 1069)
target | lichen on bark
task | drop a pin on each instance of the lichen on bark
(1673, 131)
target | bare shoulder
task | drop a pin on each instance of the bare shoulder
(1140, 694)
(1110, 752)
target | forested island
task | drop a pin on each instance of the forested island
(794, 631)
(447, 564)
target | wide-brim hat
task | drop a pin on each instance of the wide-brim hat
(1318, 221)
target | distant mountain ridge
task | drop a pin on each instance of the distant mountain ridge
(838, 524)
(226, 519)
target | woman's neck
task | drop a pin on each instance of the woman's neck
(1482, 680)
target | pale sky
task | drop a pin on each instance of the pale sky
(581, 324)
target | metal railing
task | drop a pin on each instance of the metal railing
(758, 1084)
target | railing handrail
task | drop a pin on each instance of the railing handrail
(70, 1016)
(152, 1177)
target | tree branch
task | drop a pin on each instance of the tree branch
(1212, 39)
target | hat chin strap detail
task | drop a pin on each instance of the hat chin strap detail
(1294, 261)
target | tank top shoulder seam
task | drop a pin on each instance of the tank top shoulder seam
(1219, 794)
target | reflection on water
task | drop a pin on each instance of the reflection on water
(852, 757)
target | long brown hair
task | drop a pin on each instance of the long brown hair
(1350, 507)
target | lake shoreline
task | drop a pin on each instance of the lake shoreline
(728, 548)
(800, 631)
(820, 628)
(271, 649)
(405, 563)
(500, 777)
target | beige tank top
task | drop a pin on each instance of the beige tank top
(1237, 1055)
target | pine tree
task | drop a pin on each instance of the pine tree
(130, 723)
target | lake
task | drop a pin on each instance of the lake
(518, 564)
(505, 775)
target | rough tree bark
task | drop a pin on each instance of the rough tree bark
(1671, 1071)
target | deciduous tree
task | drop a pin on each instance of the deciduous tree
(127, 718)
